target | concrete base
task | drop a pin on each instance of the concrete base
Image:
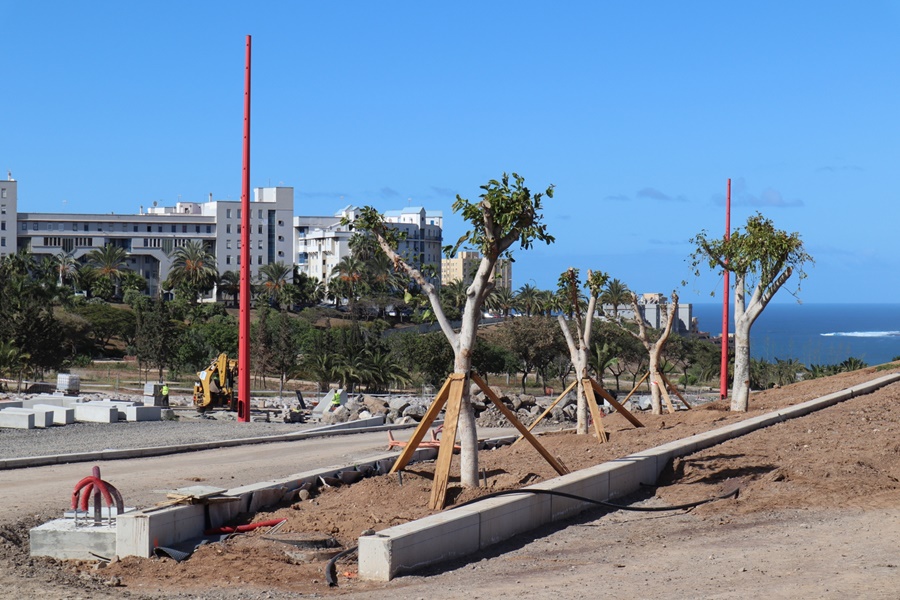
(14, 420)
(61, 414)
(62, 539)
(42, 418)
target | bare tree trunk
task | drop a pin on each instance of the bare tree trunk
(740, 394)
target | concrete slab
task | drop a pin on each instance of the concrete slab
(92, 413)
(61, 414)
(64, 540)
(138, 533)
(42, 418)
(10, 404)
(14, 420)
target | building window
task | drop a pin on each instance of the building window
(280, 223)
(259, 259)
(239, 213)
(3, 239)
(260, 214)
(24, 226)
(259, 245)
(3, 193)
(3, 206)
(227, 213)
(158, 229)
(259, 229)
(228, 244)
(184, 229)
(173, 229)
(34, 226)
(239, 229)
(135, 229)
(227, 259)
(2, 225)
(209, 229)
(228, 228)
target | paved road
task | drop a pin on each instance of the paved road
(144, 481)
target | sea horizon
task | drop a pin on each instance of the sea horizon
(816, 333)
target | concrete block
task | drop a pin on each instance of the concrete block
(42, 418)
(10, 404)
(590, 483)
(507, 516)
(61, 414)
(411, 546)
(63, 540)
(44, 399)
(88, 412)
(138, 533)
(14, 420)
(142, 413)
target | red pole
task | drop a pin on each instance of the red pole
(244, 322)
(723, 377)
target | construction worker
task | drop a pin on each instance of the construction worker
(165, 395)
(336, 400)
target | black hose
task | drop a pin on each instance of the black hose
(601, 502)
(331, 569)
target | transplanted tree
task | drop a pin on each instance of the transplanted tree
(655, 348)
(579, 347)
(507, 213)
(762, 259)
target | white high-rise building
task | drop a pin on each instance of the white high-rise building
(8, 199)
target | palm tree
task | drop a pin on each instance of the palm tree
(527, 299)
(276, 281)
(616, 294)
(230, 285)
(193, 269)
(501, 300)
(453, 294)
(66, 267)
(110, 262)
(349, 272)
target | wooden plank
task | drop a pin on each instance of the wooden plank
(674, 389)
(448, 441)
(634, 389)
(559, 468)
(602, 437)
(615, 404)
(419, 434)
(547, 412)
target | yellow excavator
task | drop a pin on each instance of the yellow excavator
(215, 385)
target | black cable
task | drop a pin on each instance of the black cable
(601, 502)
(331, 569)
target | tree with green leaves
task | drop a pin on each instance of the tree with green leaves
(579, 344)
(507, 213)
(110, 262)
(156, 336)
(230, 285)
(193, 270)
(762, 259)
(276, 283)
(615, 294)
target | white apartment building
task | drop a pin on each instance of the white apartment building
(8, 200)
(149, 237)
(321, 242)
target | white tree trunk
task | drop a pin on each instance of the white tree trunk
(740, 391)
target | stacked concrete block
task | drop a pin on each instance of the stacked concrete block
(89, 412)
(142, 413)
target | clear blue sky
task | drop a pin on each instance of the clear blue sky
(637, 112)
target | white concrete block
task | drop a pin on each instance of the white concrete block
(63, 540)
(10, 404)
(142, 413)
(138, 533)
(411, 546)
(14, 420)
(506, 516)
(91, 413)
(42, 418)
(61, 414)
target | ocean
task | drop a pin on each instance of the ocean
(823, 334)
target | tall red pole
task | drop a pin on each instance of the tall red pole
(244, 322)
(723, 377)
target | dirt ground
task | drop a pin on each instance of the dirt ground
(817, 516)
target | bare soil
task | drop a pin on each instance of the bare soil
(833, 473)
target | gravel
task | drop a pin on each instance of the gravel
(93, 437)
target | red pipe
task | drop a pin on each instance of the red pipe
(244, 528)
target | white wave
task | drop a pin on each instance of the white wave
(863, 334)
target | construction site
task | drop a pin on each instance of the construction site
(694, 503)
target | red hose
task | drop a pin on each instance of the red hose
(244, 528)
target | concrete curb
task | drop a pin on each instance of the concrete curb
(361, 426)
(459, 532)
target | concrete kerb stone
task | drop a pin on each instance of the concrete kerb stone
(61, 414)
(384, 555)
(42, 418)
(16, 420)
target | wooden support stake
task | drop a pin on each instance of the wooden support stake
(654, 380)
(602, 437)
(674, 389)
(448, 441)
(547, 412)
(419, 434)
(620, 408)
(562, 470)
(636, 386)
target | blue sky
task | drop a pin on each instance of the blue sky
(638, 113)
